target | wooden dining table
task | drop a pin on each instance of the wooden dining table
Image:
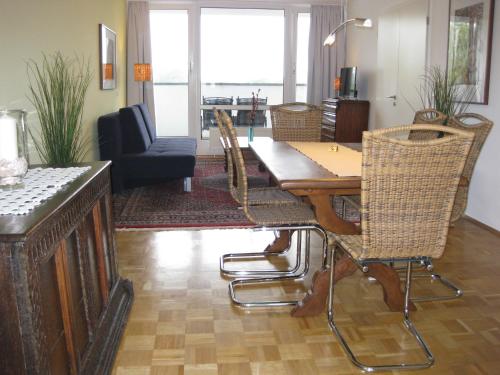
(295, 172)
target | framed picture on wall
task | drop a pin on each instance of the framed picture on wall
(107, 57)
(469, 46)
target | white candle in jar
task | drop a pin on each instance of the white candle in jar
(8, 138)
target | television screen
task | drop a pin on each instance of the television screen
(348, 82)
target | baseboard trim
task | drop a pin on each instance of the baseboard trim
(483, 225)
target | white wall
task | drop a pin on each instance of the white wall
(484, 203)
(29, 28)
(362, 48)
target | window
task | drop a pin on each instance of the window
(169, 44)
(205, 57)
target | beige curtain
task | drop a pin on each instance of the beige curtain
(139, 51)
(324, 62)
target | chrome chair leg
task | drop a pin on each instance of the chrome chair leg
(261, 255)
(427, 265)
(406, 321)
(457, 292)
(255, 281)
(267, 255)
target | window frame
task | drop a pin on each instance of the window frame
(291, 12)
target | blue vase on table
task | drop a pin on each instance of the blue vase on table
(250, 133)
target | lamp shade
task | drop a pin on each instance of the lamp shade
(108, 71)
(337, 84)
(359, 22)
(142, 72)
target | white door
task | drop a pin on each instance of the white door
(401, 62)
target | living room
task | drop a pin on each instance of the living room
(181, 320)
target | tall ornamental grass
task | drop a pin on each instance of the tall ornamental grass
(442, 92)
(57, 87)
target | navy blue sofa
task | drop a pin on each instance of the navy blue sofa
(128, 138)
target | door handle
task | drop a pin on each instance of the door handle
(393, 97)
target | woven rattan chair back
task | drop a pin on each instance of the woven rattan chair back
(481, 127)
(427, 116)
(227, 150)
(222, 129)
(241, 188)
(407, 191)
(296, 122)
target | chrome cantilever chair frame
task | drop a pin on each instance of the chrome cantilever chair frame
(282, 275)
(261, 254)
(406, 319)
(427, 266)
(299, 216)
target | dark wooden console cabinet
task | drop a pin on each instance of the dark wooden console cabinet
(63, 305)
(344, 120)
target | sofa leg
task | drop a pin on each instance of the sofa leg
(187, 184)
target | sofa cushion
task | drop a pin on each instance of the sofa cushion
(166, 158)
(110, 136)
(173, 146)
(150, 126)
(135, 135)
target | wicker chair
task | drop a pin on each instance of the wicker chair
(481, 127)
(407, 197)
(297, 217)
(296, 122)
(256, 196)
(427, 116)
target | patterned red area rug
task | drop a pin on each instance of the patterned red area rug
(166, 205)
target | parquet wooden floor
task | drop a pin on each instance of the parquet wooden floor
(182, 321)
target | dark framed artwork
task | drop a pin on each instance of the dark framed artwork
(469, 46)
(107, 57)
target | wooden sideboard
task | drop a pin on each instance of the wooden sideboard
(344, 120)
(63, 305)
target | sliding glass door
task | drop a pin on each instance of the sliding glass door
(205, 57)
(242, 54)
(241, 57)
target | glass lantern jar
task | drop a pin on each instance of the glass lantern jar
(13, 150)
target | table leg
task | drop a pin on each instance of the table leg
(281, 242)
(315, 301)
(391, 285)
(327, 217)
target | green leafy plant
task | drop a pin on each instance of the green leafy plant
(442, 92)
(58, 86)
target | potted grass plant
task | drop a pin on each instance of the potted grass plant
(57, 89)
(442, 91)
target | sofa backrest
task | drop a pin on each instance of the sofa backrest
(110, 136)
(135, 135)
(150, 126)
